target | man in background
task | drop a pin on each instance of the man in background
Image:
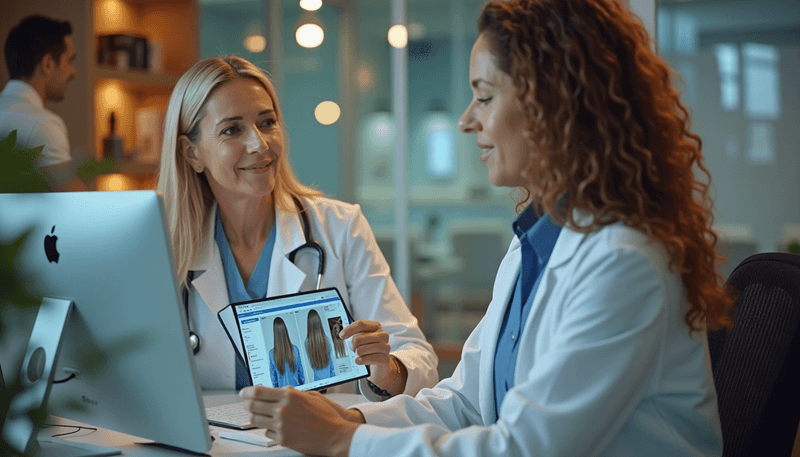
(39, 55)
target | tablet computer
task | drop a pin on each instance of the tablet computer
(294, 340)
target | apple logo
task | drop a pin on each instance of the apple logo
(50, 247)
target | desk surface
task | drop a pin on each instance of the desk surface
(136, 447)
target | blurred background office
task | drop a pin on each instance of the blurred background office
(371, 110)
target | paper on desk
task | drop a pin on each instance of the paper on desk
(228, 320)
(249, 438)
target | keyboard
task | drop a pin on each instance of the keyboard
(233, 415)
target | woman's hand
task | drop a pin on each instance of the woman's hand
(304, 421)
(371, 343)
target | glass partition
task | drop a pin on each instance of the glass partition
(738, 63)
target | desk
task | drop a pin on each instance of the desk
(134, 447)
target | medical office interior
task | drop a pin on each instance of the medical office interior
(371, 115)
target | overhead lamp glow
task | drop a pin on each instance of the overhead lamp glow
(110, 13)
(310, 5)
(415, 30)
(309, 35)
(255, 43)
(398, 36)
(327, 113)
(364, 77)
(115, 182)
(111, 96)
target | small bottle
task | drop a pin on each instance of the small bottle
(112, 143)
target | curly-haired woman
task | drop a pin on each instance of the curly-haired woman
(594, 342)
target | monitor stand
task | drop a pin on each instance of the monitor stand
(20, 432)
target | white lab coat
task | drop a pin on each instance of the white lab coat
(353, 264)
(606, 366)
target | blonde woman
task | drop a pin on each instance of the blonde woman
(319, 351)
(285, 366)
(236, 214)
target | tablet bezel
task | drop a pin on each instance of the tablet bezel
(235, 308)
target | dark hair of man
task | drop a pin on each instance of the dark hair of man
(32, 39)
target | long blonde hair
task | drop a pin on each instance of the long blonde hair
(187, 195)
(282, 346)
(316, 343)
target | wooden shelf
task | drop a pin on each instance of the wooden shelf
(136, 168)
(135, 95)
(164, 80)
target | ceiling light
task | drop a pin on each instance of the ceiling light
(309, 35)
(310, 5)
(255, 43)
(327, 113)
(398, 36)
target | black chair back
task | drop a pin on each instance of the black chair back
(756, 365)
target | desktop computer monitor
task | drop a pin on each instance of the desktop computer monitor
(126, 338)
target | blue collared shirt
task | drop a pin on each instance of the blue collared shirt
(237, 291)
(537, 238)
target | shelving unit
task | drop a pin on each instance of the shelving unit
(138, 78)
(172, 26)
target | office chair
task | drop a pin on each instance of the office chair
(756, 365)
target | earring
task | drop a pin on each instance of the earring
(199, 168)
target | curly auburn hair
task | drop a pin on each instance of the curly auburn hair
(608, 129)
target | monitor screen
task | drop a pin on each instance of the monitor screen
(126, 339)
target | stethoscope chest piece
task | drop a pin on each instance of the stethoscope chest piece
(194, 340)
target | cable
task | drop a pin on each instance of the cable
(65, 379)
(77, 428)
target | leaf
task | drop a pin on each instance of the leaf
(8, 143)
(11, 290)
(91, 168)
(18, 171)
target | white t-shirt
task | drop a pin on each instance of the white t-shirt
(22, 109)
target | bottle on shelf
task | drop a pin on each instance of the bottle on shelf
(112, 143)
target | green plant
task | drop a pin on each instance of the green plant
(17, 174)
(17, 167)
(794, 248)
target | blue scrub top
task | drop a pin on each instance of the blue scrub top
(237, 292)
(257, 285)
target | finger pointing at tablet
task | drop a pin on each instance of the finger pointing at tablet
(371, 343)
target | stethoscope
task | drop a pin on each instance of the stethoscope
(194, 338)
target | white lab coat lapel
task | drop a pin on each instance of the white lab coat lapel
(284, 276)
(565, 248)
(209, 277)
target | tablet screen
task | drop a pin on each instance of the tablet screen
(294, 340)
